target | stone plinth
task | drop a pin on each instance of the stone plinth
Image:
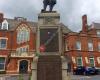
(48, 18)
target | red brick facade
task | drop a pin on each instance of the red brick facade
(84, 37)
(12, 58)
(76, 45)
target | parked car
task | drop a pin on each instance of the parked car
(98, 71)
(79, 70)
(90, 71)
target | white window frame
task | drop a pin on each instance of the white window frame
(3, 25)
(77, 61)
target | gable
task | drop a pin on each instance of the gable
(23, 27)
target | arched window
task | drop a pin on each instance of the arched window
(23, 34)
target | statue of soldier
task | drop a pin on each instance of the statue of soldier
(51, 4)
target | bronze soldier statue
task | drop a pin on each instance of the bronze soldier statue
(51, 4)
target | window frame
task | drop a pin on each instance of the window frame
(3, 63)
(90, 45)
(20, 49)
(3, 25)
(21, 34)
(92, 58)
(77, 61)
(6, 42)
(78, 45)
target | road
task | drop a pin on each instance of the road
(79, 77)
(73, 77)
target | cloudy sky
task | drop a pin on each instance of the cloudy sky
(70, 10)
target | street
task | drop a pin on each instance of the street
(73, 77)
(81, 77)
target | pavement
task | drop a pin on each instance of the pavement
(72, 77)
(14, 77)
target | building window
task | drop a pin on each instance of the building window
(78, 45)
(23, 34)
(90, 46)
(91, 60)
(98, 33)
(3, 43)
(79, 61)
(4, 25)
(22, 49)
(2, 63)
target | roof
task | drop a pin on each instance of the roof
(65, 29)
(13, 23)
(94, 25)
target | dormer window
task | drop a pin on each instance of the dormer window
(4, 25)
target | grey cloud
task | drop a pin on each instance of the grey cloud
(71, 11)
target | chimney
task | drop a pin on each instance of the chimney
(84, 23)
(1, 17)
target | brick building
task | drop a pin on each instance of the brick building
(18, 44)
(83, 48)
